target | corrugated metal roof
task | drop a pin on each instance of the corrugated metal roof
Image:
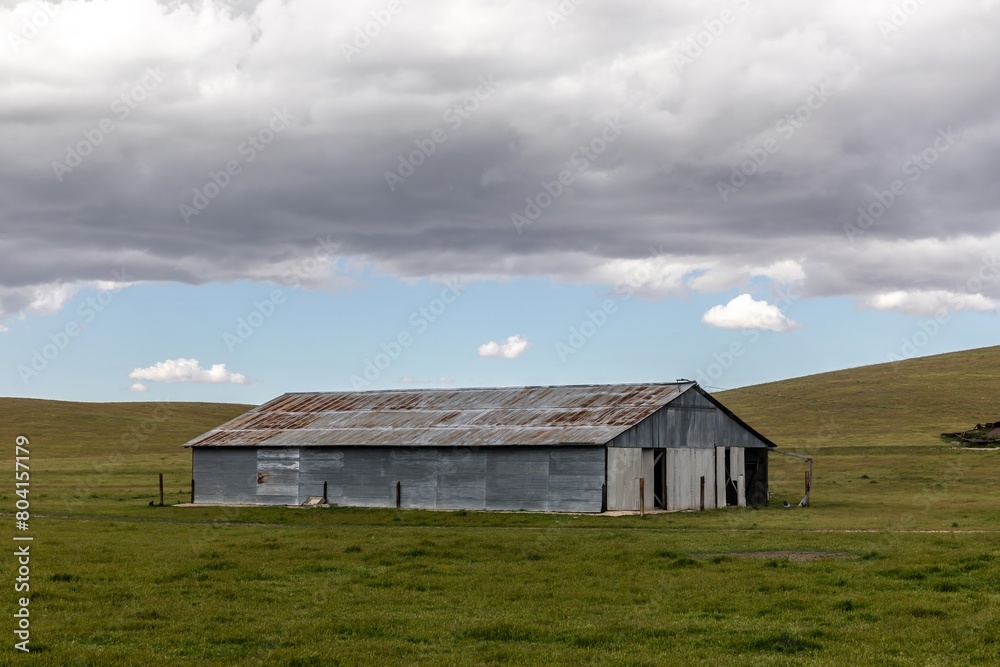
(580, 414)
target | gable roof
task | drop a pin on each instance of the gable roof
(563, 415)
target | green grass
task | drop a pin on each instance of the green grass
(116, 582)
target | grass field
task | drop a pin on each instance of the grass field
(907, 525)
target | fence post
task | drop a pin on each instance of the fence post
(702, 493)
(642, 496)
(161, 489)
(398, 495)
(192, 490)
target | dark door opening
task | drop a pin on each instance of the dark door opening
(732, 492)
(660, 479)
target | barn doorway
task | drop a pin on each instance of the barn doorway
(660, 479)
(734, 474)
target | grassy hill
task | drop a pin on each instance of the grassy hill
(903, 403)
(91, 429)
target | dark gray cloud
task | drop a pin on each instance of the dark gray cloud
(846, 101)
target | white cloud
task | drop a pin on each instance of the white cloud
(512, 348)
(406, 379)
(931, 302)
(48, 299)
(744, 312)
(187, 370)
(444, 379)
(138, 386)
(721, 278)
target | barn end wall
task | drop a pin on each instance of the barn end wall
(689, 421)
(552, 479)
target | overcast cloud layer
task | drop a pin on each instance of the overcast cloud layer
(822, 105)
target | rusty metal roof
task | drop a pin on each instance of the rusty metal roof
(580, 414)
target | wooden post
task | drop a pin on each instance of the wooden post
(702, 493)
(325, 502)
(192, 490)
(398, 495)
(161, 489)
(642, 497)
(604, 497)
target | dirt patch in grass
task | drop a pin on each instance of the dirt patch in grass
(794, 556)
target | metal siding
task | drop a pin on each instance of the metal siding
(564, 479)
(689, 421)
(416, 470)
(366, 479)
(277, 476)
(624, 470)
(576, 475)
(677, 478)
(225, 476)
(737, 460)
(517, 479)
(720, 476)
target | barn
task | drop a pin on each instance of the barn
(584, 448)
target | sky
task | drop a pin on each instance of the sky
(228, 200)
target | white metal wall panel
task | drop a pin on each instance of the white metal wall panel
(720, 476)
(685, 468)
(624, 471)
(737, 461)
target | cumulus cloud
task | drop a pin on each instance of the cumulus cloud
(138, 386)
(445, 380)
(512, 348)
(407, 379)
(744, 312)
(931, 302)
(187, 370)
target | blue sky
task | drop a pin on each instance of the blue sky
(320, 340)
(771, 184)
